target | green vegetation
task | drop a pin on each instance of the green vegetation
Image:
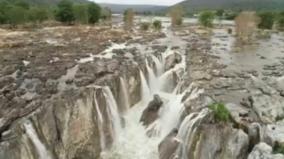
(206, 18)
(145, 26)
(64, 12)
(280, 21)
(221, 113)
(278, 148)
(94, 11)
(17, 12)
(157, 24)
(81, 13)
(266, 20)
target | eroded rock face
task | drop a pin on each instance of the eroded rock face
(169, 145)
(172, 60)
(151, 113)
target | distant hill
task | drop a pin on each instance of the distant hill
(120, 8)
(196, 5)
(46, 2)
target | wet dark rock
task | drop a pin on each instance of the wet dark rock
(151, 113)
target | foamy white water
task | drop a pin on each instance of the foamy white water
(113, 111)
(40, 147)
(132, 141)
(125, 94)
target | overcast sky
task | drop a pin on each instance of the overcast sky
(155, 2)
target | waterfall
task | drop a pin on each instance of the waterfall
(145, 90)
(125, 94)
(187, 130)
(40, 147)
(153, 82)
(100, 125)
(159, 65)
(113, 111)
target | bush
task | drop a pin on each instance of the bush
(266, 20)
(38, 14)
(64, 12)
(278, 148)
(128, 18)
(16, 15)
(157, 24)
(145, 26)
(280, 21)
(81, 13)
(206, 19)
(94, 12)
(221, 113)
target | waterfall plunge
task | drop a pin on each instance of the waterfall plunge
(187, 130)
(113, 111)
(125, 94)
(40, 147)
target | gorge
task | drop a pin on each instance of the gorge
(143, 96)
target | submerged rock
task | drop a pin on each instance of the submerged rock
(151, 113)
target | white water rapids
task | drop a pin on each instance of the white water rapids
(132, 141)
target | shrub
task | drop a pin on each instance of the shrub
(145, 26)
(128, 19)
(278, 148)
(176, 14)
(94, 12)
(221, 113)
(280, 21)
(266, 20)
(81, 13)
(157, 24)
(16, 15)
(206, 19)
(64, 12)
(38, 14)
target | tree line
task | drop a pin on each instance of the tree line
(19, 12)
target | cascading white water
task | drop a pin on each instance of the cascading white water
(145, 90)
(113, 111)
(40, 147)
(159, 65)
(153, 82)
(100, 125)
(125, 93)
(186, 131)
(132, 141)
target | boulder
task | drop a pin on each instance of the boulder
(263, 151)
(172, 60)
(151, 113)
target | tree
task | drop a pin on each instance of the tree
(280, 21)
(106, 13)
(23, 4)
(94, 11)
(16, 15)
(220, 13)
(176, 14)
(38, 15)
(81, 13)
(128, 19)
(206, 18)
(246, 24)
(266, 20)
(157, 24)
(64, 12)
(3, 11)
